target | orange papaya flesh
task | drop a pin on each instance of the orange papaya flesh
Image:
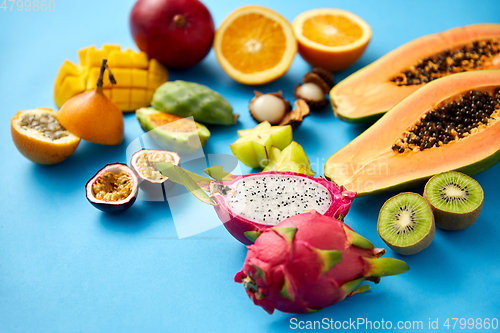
(368, 93)
(172, 122)
(370, 165)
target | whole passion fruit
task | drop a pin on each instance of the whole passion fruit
(150, 179)
(113, 189)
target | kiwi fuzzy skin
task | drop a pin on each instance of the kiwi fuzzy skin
(453, 221)
(409, 250)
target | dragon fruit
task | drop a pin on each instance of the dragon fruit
(250, 204)
(311, 261)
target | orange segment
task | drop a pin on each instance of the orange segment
(331, 38)
(255, 45)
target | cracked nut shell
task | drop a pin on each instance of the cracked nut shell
(295, 117)
(325, 75)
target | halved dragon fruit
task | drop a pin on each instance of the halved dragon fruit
(310, 261)
(250, 204)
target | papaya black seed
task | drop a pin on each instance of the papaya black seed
(466, 57)
(450, 122)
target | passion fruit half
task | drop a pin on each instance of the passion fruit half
(40, 137)
(150, 179)
(113, 189)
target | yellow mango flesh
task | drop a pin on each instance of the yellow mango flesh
(137, 77)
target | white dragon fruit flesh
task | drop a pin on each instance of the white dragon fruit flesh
(250, 204)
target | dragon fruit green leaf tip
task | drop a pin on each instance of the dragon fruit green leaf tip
(311, 261)
(250, 204)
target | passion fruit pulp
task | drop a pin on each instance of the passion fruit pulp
(150, 179)
(40, 137)
(113, 189)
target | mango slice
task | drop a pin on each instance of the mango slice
(137, 76)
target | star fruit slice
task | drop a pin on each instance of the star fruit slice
(254, 145)
(292, 158)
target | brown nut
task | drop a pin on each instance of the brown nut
(271, 107)
(295, 117)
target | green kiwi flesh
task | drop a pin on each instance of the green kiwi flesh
(406, 223)
(456, 200)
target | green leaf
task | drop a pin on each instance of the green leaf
(287, 291)
(218, 173)
(329, 258)
(310, 310)
(358, 240)
(172, 171)
(252, 235)
(351, 286)
(361, 289)
(286, 232)
(259, 273)
(386, 266)
(188, 179)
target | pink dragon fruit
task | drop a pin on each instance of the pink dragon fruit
(311, 261)
(250, 204)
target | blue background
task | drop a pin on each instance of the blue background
(67, 267)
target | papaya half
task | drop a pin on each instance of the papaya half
(449, 124)
(370, 92)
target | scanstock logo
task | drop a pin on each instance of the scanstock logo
(190, 216)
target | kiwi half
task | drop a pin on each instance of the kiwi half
(456, 200)
(406, 223)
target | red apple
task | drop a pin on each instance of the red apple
(178, 33)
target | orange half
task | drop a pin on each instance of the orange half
(331, 38)
(255, 45)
